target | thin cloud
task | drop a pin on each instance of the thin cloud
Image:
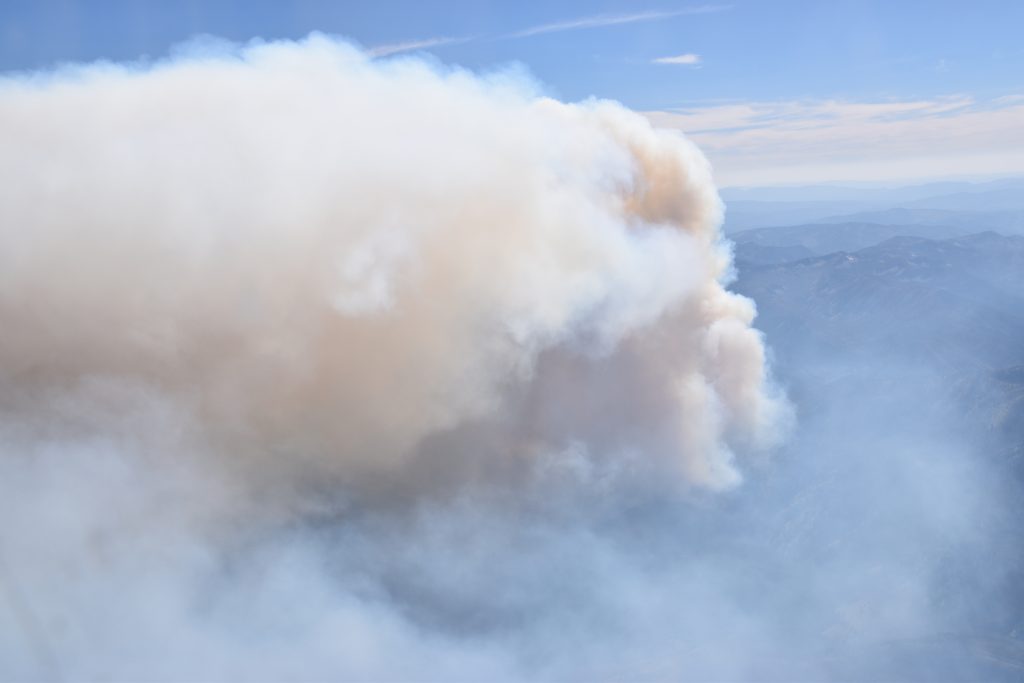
(756, 143)
(601, 20)
(595, 21)
(688, 59)
(407, 46)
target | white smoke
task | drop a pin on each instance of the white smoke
(262, 287)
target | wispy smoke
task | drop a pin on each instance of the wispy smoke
(286, 335)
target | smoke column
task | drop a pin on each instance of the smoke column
(293, 341)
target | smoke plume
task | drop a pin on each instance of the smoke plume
(309, 359)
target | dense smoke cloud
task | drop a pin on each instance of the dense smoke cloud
(334, 258)
(311, 365)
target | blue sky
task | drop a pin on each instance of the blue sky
(746, 78)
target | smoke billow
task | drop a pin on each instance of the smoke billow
(311, 365)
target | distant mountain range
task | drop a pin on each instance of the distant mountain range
(1010, 221)
(963, 297)
(777, 245)
(763, 207)
(888, 195)
(787, 243)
